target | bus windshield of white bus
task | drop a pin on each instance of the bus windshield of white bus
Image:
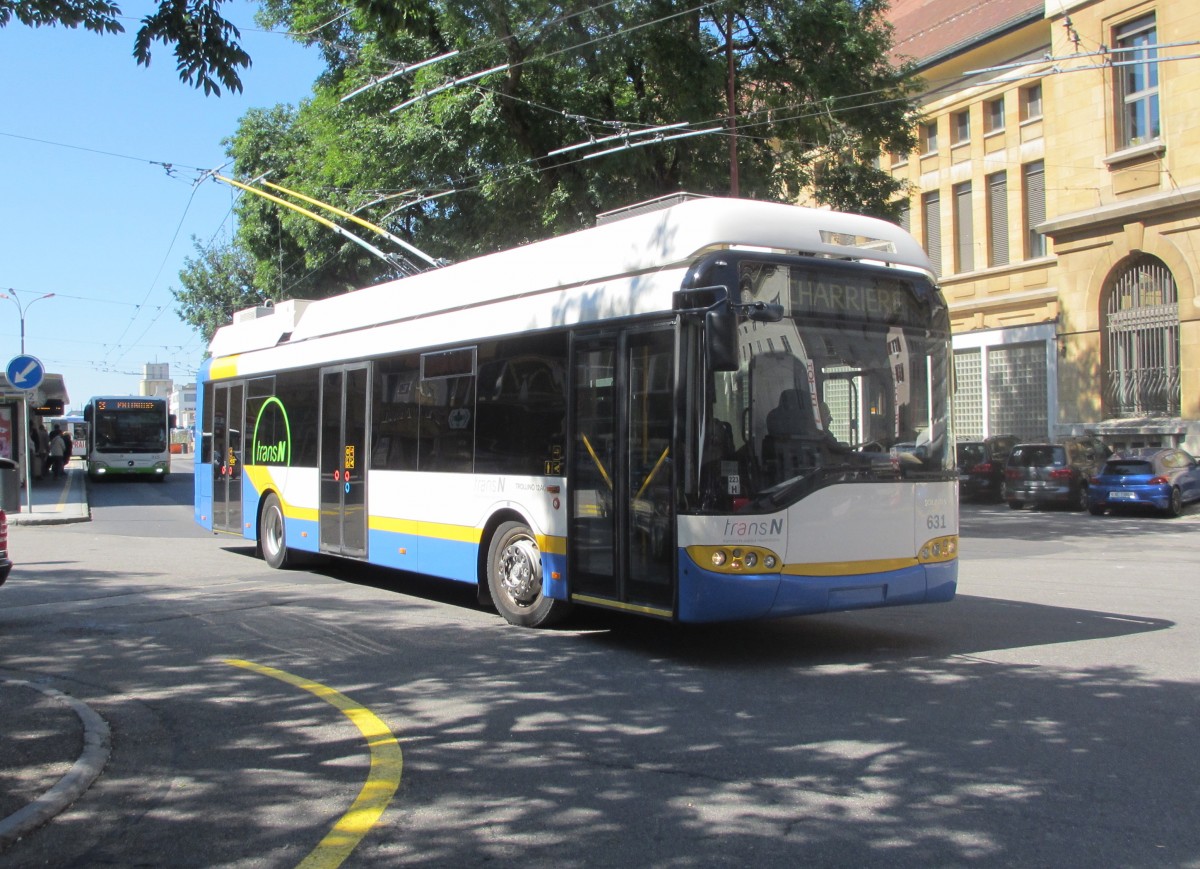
(851, 385)
(130, 426)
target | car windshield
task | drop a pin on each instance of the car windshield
(970, 454)
(820, 399)
(1038, 456)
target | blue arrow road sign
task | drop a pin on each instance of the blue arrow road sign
(25, 372)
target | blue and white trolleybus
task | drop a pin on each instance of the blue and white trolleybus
(720, 410)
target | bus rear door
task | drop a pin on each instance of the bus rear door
(228, 413)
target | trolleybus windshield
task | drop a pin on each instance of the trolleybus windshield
(851, 385)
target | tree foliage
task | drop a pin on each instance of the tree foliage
(207, 52)
(499, 160)
(218, 281)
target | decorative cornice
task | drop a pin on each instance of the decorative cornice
(1119, 213)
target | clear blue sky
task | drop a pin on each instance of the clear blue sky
(88, 212)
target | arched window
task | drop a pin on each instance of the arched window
(1141, 326)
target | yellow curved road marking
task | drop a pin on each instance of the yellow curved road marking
(386, 765)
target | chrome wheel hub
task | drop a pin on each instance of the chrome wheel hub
(520, 572)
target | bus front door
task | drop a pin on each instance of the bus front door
(622, 536)
(228, 412)
(343, 518)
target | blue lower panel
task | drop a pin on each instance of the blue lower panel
(295, 531)
(706, 596)
(551, 587)
(448, 559)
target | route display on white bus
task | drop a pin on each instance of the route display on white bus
(720, 410)
(128, 435)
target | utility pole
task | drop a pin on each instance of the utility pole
(731, 106)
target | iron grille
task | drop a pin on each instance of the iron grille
(1142, 328)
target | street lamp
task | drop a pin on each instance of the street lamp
(22, 309)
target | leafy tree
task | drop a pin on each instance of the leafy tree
(207, 53)
(217, 282)
(500, 160)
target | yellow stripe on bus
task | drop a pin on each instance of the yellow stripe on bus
(551, 545)
(222, 368)
(849, 568)
(418, 528)
(261, 480)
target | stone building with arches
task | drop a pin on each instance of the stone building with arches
(1057, 186)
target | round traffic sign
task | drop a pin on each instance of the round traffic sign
(25, 372)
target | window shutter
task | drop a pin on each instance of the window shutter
(964, 229)
(997, 186)
(932, 208)
(1035, 208)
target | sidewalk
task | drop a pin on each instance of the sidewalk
(55, 502)
(52, 747)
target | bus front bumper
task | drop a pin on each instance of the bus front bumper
(108, 469)
(709, 596)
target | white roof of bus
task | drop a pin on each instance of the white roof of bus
(671, 238)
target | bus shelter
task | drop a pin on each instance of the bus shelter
(20, 411)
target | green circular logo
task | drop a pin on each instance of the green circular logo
(272, 442)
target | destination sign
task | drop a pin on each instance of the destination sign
(815, 291)
(127, 404)
(860, 297)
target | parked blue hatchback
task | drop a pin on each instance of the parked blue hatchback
(1160, 478)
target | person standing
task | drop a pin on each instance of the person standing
(58, 449)
(41, 449)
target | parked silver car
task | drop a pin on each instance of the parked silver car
(1048, 473)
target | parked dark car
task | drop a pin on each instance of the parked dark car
(1160, 478)
(1053, 473)
(981, 467)
(5, 562)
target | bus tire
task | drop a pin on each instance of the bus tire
(514, 576)
(272, 535)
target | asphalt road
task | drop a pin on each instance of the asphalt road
(1049, 716)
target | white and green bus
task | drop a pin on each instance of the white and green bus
(128, 435)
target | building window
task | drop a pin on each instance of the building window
(929, 138)
(1033, 181)
(964, 241)
(960, 127)
(899, 159)
(1017, 376)
(993, 115)
(1031, 102)
(904, 216)
(997, 208)
(931, 218)
(1141, 327)
(1136, 70)
(968, 393)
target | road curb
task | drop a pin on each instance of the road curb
(96, 748)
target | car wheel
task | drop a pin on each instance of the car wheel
(1175, 506)
(514, 577)
(1015, 505)
(272, 538)
(1081, 499)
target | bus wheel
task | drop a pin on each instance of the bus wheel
(514, 574)
(272, 540)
